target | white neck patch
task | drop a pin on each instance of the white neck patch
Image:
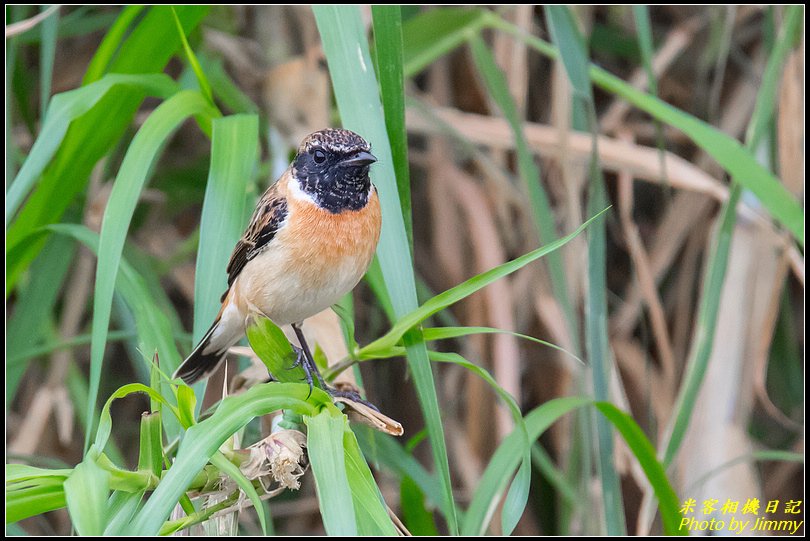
(295, 191)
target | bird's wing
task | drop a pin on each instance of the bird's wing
(270, 213)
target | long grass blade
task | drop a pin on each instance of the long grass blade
(570, 43)
(33, 306)
(129, 183)
(530, 174)
(464, 289)
(718, 262)
(325, 449)
(369, 506)
(64, 109)
(48, 29)
(110, 44)
(233, 471)
(234, 146)
(387, 20)
(645, 454)
(358, 100)
(86, 493)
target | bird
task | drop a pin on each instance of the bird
(309, 242)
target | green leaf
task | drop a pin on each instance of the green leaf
(436, 32)
(425, 41)
(234, 145)
(443, 333)
(416, 517)
(34, 305)
(86, 493)
(121, 507)
(202, 80)
(129, 183)
(150, 451)
(205, 438)
(47, 53)
(369, 506)
(565, 35)
(232, 471)
(388, 452)
(506, 459)
(515, 502)
(110, 44)
(464, 289)
(519, 491)
(325, 450)
(270, 344)
(356, 93)
(32, 491)
(709, 309)
(64, 109)
(105, 422)
(644, 452)
(154, 328)
(146, 49)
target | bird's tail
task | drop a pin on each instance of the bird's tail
(203, 361)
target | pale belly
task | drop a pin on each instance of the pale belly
(288, 292)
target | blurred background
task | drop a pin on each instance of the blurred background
(471, 211)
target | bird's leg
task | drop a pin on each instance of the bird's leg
(307, 362)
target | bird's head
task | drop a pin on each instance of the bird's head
(332, 167)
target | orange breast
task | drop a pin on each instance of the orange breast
(322, 244)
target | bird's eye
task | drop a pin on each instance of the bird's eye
(319, 156)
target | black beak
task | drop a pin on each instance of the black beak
(360, 159)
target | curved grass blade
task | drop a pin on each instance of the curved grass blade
(129, 183)
(202, 80)
(443, 333)
(358, 100)
(543, 214)
(421, 49)
(644, 452)
(436, 32)
(464, 289)
(518, 493)
(506, 459)
(204, 439)
(64, 109)
(153, 327)
(233, 471)
(146, 49)
(697, 364)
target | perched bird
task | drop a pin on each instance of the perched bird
(310, 240)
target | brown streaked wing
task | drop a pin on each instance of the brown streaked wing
(266, 221)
